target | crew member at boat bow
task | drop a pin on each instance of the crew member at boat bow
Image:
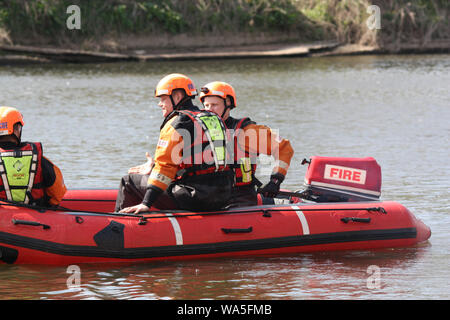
(26, 175)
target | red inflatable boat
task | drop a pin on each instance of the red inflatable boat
(88, 232)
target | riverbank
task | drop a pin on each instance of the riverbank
(11, 55)
(143, 30)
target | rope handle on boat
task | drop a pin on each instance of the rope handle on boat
(265, 211)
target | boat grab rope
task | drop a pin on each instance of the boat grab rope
(182, 214)
(61, 209)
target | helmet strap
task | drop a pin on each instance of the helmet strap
(231, 106)
(180, 103)
(173, 103)
(225, 111)
(19, 138)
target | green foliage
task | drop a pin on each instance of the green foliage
(318, 12)
(310, 19)
(48, 17)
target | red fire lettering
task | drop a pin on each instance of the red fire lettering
(347, 175)
(356, 176)
(333, 171)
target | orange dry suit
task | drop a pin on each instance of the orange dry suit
(251, 140)
(191, 161)
(27, 176)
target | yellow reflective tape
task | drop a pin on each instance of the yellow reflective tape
(246, 169)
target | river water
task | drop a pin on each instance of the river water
(97, 120)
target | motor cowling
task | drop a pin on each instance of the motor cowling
(340, 179)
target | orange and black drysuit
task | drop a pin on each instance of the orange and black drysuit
(251, 140)
(29, 177)
(190, 170)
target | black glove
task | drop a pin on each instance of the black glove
(271, 189)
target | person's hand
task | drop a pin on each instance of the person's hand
(145, 168)
(271, 189)
(135, 209)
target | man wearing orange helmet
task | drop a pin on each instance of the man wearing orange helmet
(26, 175)
(190, 168)
(250, 140)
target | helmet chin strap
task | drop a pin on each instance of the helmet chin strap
(178, 105)
(225, 111)
(229, 107)
(19, 137)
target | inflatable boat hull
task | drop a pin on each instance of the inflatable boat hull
(84, 235)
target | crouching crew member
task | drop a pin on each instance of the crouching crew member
(26, 175)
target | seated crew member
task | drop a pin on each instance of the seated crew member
(189, 170)
(26, 175)
(250, 140)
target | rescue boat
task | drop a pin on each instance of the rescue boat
(84, 228)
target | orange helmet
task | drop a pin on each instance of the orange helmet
(220, 89)
(8, 118)
(175, 81)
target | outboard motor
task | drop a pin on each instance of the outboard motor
(337, 179)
